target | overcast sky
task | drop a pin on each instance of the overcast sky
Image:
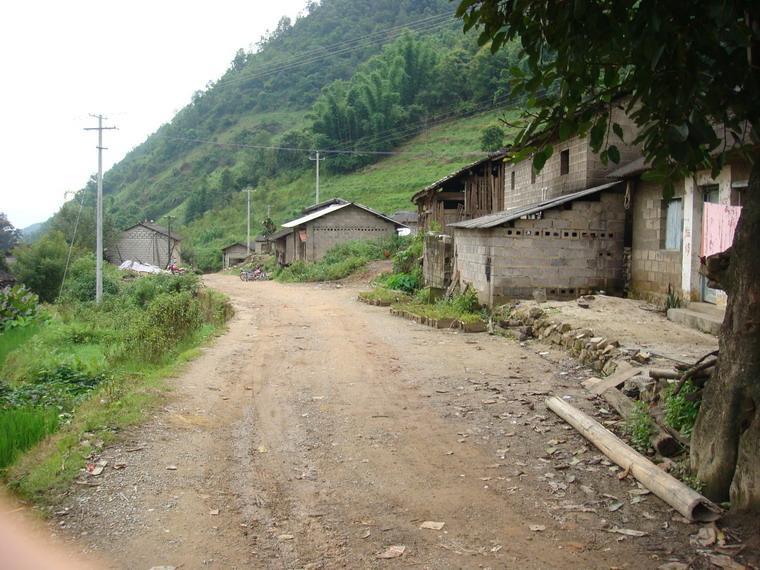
(137, 62)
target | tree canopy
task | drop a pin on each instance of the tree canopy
(683, 68)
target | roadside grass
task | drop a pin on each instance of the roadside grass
(21, 428)
(341, 261)
(11, 339)
(135, 391)
(97, 369)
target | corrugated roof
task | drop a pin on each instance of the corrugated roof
(499, 218)
(314, 215)
(494, 156)
(280, 234)
(634, 167)
(334, 208)
(234, 244)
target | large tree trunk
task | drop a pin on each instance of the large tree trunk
(725, 446)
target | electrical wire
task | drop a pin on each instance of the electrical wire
(71, 245)
(330, 51)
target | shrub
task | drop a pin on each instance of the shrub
(681, 410)
(80, 281)
(214, 307)
(406, 282)
(59, 387)
(143, 290)
(40, 265)
(21, 428)
(639, 426)
(406, 260)
(168, 320)
(18, 307)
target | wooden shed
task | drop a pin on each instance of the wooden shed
(233, 254)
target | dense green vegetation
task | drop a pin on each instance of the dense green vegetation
(78, 367)
(340, 261)
(357, 79)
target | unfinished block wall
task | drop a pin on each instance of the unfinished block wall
(653, 267)
(437, 261)
(566, 253)
(347, 224)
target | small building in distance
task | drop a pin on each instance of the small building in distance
(233, 254)
(408, 218)
(326, 225)
(146, 242)
(262, 244)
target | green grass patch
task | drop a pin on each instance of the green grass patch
(11, 339)
(640, 427)
(385, 297)
(21, 428)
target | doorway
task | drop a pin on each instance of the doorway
(711, 195)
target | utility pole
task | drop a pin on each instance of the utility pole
(248, 226)
(169, 248)
(99, 209)
(317, 159)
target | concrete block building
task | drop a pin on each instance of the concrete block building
(146, 242)
(672, 235)
(326, 225)
(561, 248)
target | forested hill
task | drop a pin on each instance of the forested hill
(347, 75)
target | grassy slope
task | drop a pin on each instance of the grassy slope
(387, 185)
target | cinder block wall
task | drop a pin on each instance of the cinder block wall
(586, 168)
(143, 245)
(565, 254)
(347, 224)
(652, 266)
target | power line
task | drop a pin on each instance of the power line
(334, 50)
(71, 245)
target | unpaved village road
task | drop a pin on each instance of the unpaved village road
(320, 431)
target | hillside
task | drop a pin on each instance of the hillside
(391, 92)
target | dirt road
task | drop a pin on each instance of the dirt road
(319, 431)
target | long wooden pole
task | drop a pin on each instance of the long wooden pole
(686, 501)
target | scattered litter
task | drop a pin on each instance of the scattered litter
(286, 537)
(171, 467)
(432, 525)
(119, 465)
(262, 449)
(395, 551)
(95, 469)
(723, 561)
(213, 512)
(623, 474)
(615, 506)
(133, 449)
(627, 531)
(537, 527)
(366, 534)
(497, 548)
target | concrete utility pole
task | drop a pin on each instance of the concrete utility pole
(99, 209)
(317, 159)
(169, 248)
(248, 226)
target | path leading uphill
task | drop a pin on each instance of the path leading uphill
(319, 432)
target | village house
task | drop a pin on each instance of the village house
(262, 245)
(516, 233)
(671, 237)
(233, 254)
(326, 225)
(148, 243)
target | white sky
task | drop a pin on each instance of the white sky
(137, 62)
